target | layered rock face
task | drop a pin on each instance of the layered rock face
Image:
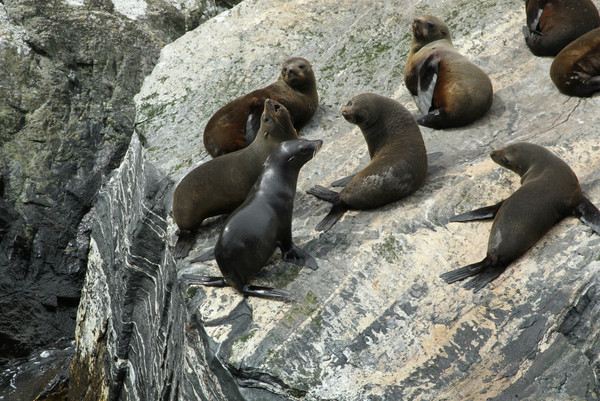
(374, 322)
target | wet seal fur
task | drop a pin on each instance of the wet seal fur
(398, 163)
(234, 125)
(449, 90)
(576, 69)
(549, 192)
(262, 224)
(553, 24)
(220, 185)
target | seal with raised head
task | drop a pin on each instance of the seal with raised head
(553, 24)
(262, 224)
(234, 125)
(220, 185)
(549, 192)
(576, 69)
(449, 90)
(398, 163)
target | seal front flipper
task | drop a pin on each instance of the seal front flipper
(185, 242)
(205, 257)
(427, 79)
(266, 292)
(299, 257)
(336, 213)
(209, 281)
(253, 123)
(465, 272)
(342, 182)
(435, 119)
(484, 278)
(324, 194)
(589, 214)
(484, 213)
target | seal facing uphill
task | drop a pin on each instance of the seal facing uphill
(576, 69)
(553, 24)
(262, 224)
(222, 184)
(398, 163)
(449, 90)
(235, 125)
(549, 192)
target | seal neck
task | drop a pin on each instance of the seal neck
(418, 45)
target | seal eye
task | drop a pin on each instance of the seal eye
(349, 103)
(430, 25)
(301, 66)
(276, 107)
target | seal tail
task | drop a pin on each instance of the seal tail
(185, 242)
(336, 213)
(464, 272)
(589, 214)
(325, 194)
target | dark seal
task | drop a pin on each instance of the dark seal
(449, 90)
(553, 24)
(262, 224)
(220, 185)
(576, 69)
(398, 163)
(549, 192)
(234, 126)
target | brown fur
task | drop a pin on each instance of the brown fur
(296, 89)
(221, 185)
(576, 69)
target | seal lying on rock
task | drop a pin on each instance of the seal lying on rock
(549, 192)
(262, 224)
(398, 163)
(234, 126)
(576, 69)
(449, 90)
(553, 24)
(222, 184)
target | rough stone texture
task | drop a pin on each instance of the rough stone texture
(374, 322)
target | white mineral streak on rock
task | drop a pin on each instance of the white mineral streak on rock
(131, 8)
(11, 34)
(76, 3)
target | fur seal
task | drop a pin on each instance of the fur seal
(263, 223)
(234, 125)
(576, 69)
(549, 192)
(449, 90)
(398, 163)
(221, 184)
(553, 24)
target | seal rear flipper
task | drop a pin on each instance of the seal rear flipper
(342, 182)
(266, 292)
(299, 257)
(209, 281)
(323, 193)
(336, 213)
(427, 79)
(484, 213)
(481, 280)
(204, 257)
(465, 272)
(435, 119)
(589, 214)
(184, 244)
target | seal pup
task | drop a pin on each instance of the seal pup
(449, 90)
(262, 224)
(398, 163)
(549, 192)
(576, 69)
(220, 185)
(553, 24)
(235, 125)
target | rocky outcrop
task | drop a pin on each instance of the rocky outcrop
(374, 322)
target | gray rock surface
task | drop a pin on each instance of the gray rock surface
(374, 322)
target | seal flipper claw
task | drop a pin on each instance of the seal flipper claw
(589, 214)
(434, 119)
(484, 213)
(465, 272)
(266, 292)
(336, 213)
(342, 182)
(204, 257)
(209, 281)
(484, 278)
(323, 193)
(300, 257)
(185, 243)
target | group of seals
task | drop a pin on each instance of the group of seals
(263, 223)
(398, 163)
(235, 125)
(449, 90)
(549, 192)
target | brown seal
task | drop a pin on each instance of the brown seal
(398, 163)
(221, 184)
(553, 24)
(449, 90)
(549, 192)
(576, 69)
(234, 125)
